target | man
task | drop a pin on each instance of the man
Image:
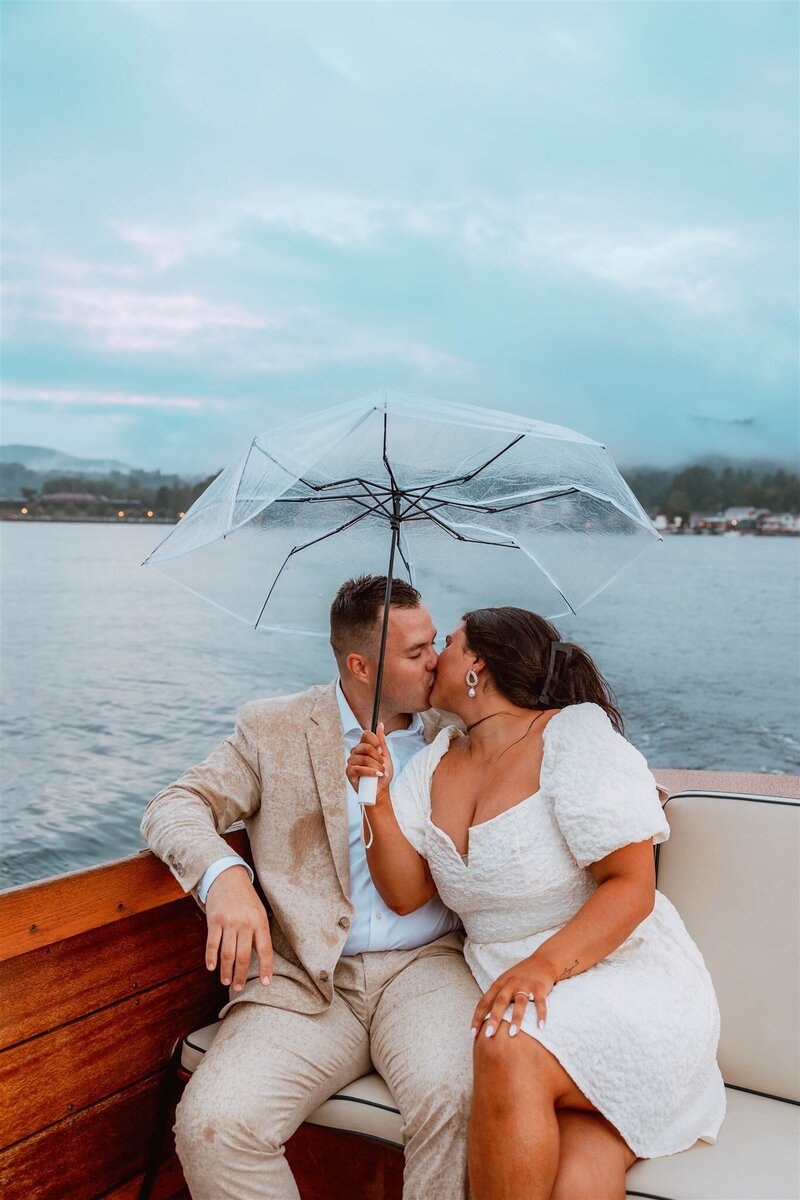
(337, 981)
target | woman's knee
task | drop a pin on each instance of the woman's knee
(512, 1062)
(510, 1077)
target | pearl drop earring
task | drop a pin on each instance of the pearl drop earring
(472, 680)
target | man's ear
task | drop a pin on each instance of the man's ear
(359, 667)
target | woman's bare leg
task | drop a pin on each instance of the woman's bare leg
(521, 1096)
(513, 1147)
(593, 1158)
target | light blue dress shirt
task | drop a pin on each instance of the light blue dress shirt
(373, 925)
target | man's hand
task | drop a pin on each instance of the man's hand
(236, 919)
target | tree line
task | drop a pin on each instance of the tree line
(707, 489)
(675, 493)
(167, 500)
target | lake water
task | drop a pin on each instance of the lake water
(114, 680)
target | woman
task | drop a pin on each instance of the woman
(537, 827)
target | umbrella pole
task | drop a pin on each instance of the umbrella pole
(385, 629)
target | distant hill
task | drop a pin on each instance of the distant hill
(53, 462)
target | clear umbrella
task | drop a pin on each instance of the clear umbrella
(472, 506)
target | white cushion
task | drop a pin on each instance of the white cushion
(731, 867)
(756, 1158)
(195, 1045)
(365, 1106)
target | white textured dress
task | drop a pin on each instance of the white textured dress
(638, 1032)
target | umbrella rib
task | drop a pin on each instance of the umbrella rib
(386, 463)
(305, 546)
(239, 478)
(321, 487)
(485, 508)
(472, 474)
(462, 537)
(405, 562)
(352, 498)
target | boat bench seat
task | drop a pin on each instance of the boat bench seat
(732, 869)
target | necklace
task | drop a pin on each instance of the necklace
(499, 713)
(519, 739)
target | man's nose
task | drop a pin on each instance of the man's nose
(432, 660)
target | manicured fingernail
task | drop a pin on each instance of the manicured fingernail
(541, 1023)
(237, 987)
(473, 1032)
(489, 1030)
(265, 980)
(512, 1032)
(226, 982)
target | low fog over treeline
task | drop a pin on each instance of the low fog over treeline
(706, 488)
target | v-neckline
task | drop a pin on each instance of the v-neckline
(464, 858)
(451, 731)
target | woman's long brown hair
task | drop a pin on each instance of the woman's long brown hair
(516, 646)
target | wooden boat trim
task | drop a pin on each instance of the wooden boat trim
(39, 914)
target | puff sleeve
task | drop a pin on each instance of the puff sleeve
(602, 794)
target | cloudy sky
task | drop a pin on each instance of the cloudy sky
(217, 215)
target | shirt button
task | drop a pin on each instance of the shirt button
(344, 922)
(323, 976)
(378, 916)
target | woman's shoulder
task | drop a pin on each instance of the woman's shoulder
(579, 720)
(582, 736)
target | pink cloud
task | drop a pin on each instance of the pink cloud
(84, 397)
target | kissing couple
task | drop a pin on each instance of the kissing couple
(493, 944)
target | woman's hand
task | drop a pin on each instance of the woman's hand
(531, 977)
(371, 757)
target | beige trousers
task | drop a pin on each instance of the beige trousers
(406, 1012)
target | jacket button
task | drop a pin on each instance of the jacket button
(344, 922)
(323, 976)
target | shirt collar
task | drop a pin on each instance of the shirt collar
(351, 725)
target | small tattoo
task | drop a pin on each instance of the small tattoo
(568, 970)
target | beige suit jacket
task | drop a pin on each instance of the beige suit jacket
(282, 773)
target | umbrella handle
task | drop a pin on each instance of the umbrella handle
(367, 789)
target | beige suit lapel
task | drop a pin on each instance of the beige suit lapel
(435, 720)
(326, 747)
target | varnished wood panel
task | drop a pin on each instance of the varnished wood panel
(69, 979)
(86, 1155)
(329, 1165)
(69, 1069)
(38, 914)
(169, 1183)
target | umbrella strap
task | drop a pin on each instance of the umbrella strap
(365, 820)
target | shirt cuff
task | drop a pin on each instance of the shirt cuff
(216, 868)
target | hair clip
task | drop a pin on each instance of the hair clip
(564, 648)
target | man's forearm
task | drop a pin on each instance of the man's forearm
(184, 823)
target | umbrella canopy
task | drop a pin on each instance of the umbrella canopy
(483, 508)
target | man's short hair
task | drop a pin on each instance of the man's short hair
(354, 613)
